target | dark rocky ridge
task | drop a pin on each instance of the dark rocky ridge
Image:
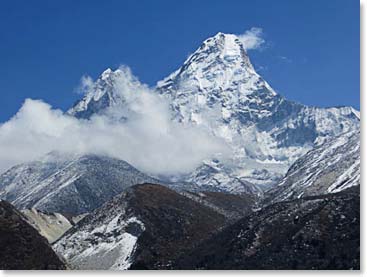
(173, 223)
(319, 232)
(231, 206)
(22, 247)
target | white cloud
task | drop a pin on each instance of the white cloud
(252, 39)
(149, 139)
(86, 83)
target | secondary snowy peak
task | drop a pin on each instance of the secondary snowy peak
(109, 90)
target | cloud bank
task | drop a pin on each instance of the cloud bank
(252, 39)
(148, 139)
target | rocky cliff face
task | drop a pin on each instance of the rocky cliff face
(50, 225)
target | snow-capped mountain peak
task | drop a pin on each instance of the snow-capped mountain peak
(223, 47)
(219, 65)
(218, 89)
(107, 74)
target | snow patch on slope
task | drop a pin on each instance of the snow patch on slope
(101, 246)
(328, 168)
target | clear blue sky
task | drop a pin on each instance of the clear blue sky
(311, 53)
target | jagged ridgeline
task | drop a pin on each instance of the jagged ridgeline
(218, 89)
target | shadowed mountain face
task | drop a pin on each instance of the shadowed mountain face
(145, 227)
(320, 232)
(22, 247)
